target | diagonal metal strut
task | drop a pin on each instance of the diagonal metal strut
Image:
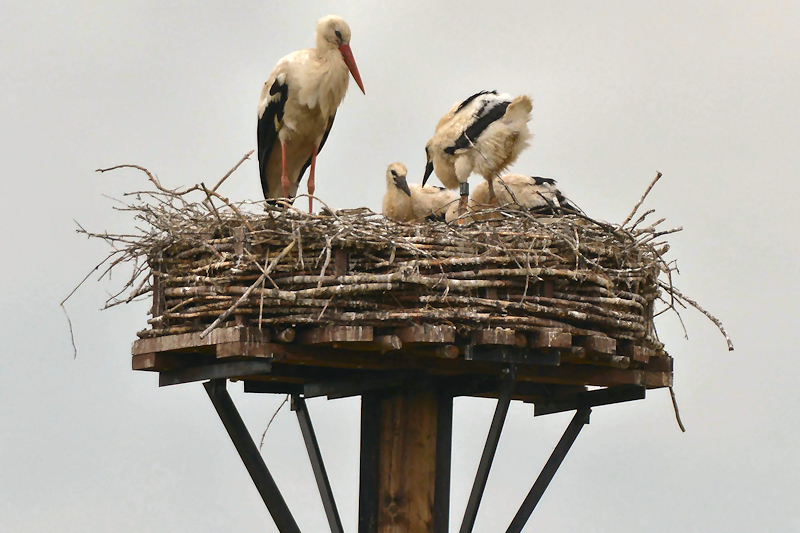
(250, 456)
(503, 401)
(540, 485)
(314, 455)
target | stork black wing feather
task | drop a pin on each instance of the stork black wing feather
(267, 133)
(466, 102)
(475, 129)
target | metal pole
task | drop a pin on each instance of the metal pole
(540, 485)
(250, 456)
(503, 401)
(314, 455)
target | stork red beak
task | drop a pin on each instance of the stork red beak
(350, 61)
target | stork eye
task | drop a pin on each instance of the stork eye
(338, 34)
(394, 173)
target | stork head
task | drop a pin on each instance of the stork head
(396, 177)
(428, 163)
(333, 32)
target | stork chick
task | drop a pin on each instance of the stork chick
(527, 192)
(407, 203)
(485, 134)
(297, 108)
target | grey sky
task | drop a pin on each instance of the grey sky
(705, 92)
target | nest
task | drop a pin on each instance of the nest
(212, 263)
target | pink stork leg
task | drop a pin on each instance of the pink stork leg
(284, 174)
(311, 185)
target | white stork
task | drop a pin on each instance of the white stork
(530, 192)
(485, 134)
(533, 193)
(297, 108)
(407, 203)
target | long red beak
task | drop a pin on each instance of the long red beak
(350, 61)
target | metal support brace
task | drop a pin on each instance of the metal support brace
(540, 485)
(503, 401)
(250, 456)
(314, 455)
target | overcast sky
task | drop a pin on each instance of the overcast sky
(705, 92)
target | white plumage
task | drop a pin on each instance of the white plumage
(298, 105)
(485, 134)
(527, 192)
(408, 203)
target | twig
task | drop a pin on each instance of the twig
(263, 435)
(639, 203)
(244, 158)
(675, 407)
(249, 291)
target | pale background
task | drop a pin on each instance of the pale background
(704, 91)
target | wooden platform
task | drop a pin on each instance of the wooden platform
(339, 361)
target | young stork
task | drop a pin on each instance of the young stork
(485, 134)
(297, 108)
(529, 192)
(406, 203)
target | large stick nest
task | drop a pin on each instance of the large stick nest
(215, 263)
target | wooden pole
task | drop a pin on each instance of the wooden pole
(405, 460)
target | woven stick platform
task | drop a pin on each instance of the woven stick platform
(567, 299)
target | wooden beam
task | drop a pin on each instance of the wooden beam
(251, 457)
(593, 398)
(183, 341)
(504, 336)
(331, 334)
(317, 465)
(427, 333)
(368, 482)
(407, 451)
(489, 449)
(580, 419)
(216, 371)
(551, 338)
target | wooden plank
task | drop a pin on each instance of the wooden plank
(594, 398)
(504, 336)
(655, 380)
(330, 334)
(598, 344)
(243, 349)
(565, 374)
(381, 343)
(215, 371)
(660, 364)
(156, 362)
(272, 387)
(183, 341)
(511, 354)
(635, 352)
(407, 462)
(427, 334)
(551, 338)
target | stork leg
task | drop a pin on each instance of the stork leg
(311, 185)
(463, 188)
(284, 172)
(492, 196)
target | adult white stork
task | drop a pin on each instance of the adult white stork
(485, 134)
(407, 203)
(297, 108)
